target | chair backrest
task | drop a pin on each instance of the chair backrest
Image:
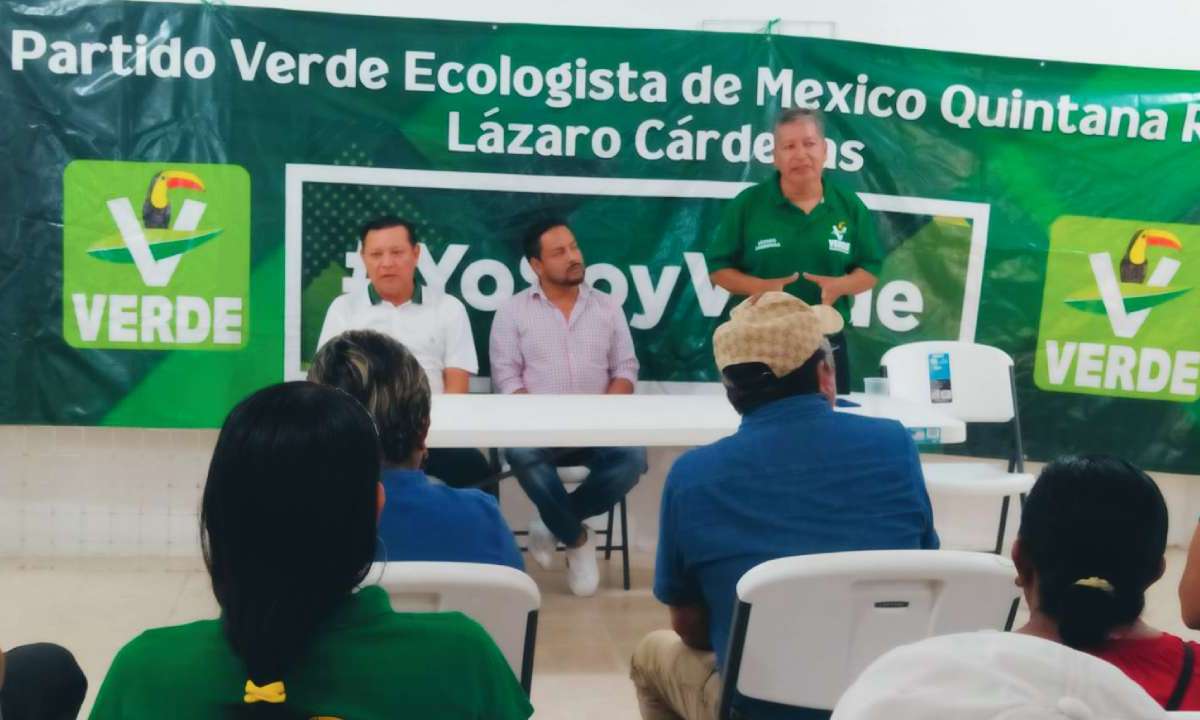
(505, 601)
(806, 626)
(980, 378)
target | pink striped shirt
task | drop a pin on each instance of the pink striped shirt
(532, 346)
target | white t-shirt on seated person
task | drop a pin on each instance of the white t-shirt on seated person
(432, 325)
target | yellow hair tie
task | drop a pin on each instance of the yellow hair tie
(269, 693)
(1097, 583)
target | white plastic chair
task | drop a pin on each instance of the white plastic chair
(982, 390)
(804, 627)
(505, 601)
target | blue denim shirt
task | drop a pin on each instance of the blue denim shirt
(423, 520)
(796, 478)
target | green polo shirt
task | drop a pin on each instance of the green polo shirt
(367, 662)
(763, 234)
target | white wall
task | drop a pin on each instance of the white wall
(113, 492)
(1149, 33)
(72, 491)
(106, 491)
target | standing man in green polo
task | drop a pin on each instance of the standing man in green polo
(798, 233)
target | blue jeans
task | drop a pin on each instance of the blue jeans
(612, 472)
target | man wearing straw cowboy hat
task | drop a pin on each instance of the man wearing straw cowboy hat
(796, 478)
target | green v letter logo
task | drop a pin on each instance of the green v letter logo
(154, 272)
(1126, 324)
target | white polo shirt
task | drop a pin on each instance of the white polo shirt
(432, 325)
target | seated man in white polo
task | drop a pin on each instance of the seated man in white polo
(796, 478)
(432, 325)
(562, 337)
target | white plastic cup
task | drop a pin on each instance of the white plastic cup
(875, 386)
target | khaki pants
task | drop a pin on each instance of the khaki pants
(674, 681)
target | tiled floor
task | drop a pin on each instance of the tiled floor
(93, 606)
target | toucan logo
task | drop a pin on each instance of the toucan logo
(1127, 303)
(154, 245)
(125, 284)
(837, 238)
(1106, 325)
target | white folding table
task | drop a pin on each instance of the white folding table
(647, 420)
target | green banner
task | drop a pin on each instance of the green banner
(181, 188)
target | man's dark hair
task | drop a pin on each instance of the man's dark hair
(531, 241)
(387, 222)
(792, 115)
(751, 385)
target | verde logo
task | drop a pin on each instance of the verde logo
(837, 241)
(1119, 312)
(155, 256)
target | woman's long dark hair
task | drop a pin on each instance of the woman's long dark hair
(1094, 528)
(288, 523)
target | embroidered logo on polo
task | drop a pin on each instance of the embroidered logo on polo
(1118, 312)
(766, 244)
(837, 241)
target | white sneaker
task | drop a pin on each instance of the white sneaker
(583, 577)
(542, 544)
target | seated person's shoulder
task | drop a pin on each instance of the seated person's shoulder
(441, 300)
(467, 500)
(451, 631)
(439, 634)
(182, 645)
(697, 464)
(603, 297)
(880, 426)
(524, 293)
(464, 507)
(341, 304)
(608, 302)
(515, 299)
(198, 632)
(875, 430)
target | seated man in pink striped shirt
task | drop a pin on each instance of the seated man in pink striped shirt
(562, 336)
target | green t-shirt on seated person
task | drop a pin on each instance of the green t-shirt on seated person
(368, 662)
(763, 234)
